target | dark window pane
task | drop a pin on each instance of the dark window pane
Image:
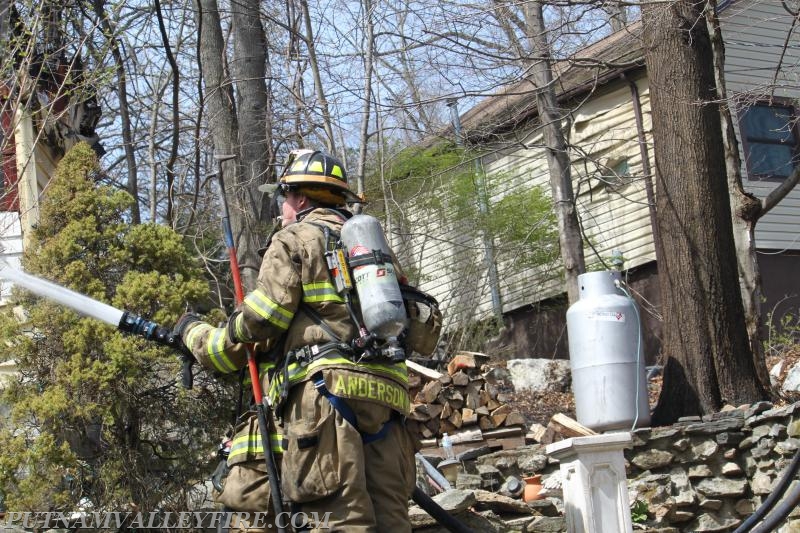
(764, 123)
(770, 159)
(769, 140)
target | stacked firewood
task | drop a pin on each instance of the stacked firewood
(467, 396)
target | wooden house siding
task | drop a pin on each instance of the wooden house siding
(755, 34)
(602, 130)
(615, 216)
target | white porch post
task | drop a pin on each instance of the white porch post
(594, 483)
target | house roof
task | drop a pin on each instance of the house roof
(621, 52)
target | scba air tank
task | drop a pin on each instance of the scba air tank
(605, 353)
(374, 277)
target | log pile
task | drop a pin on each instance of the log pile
(466, 397)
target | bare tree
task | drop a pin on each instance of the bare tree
(556, 148)
(708, 357)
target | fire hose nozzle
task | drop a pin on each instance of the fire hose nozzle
(136, 325)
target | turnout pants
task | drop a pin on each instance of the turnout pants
(351, 486)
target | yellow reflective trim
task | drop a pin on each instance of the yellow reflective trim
(216, 351)
(321, 291)
(316, 166)
(337, 171)
(238, 328)
(268, 310)
(252, 444)
(195, 332)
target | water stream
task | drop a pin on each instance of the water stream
(47, 289)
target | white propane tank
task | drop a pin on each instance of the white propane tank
(379, 296)
(605, 353)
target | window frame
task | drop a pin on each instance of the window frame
(795, 130)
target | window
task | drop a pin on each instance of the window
(770, 141)
(616, 174)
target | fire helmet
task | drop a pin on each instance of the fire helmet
(315, 174)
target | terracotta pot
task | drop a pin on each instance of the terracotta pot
(533, 485)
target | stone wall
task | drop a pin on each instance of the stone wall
(699, 475)
(710, 474)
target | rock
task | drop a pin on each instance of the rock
(731, 470)
(544, 507)
(681, 445)
(540, 375)
(756, 409)
(524, 460)
(792, 381)
(773, 414)
(468, 481)
(787, 447)
(709, 522)
(652, 459)
(519, 524)
(711, 505)
(745, 507)
(705, 449)
(547, 524)
(532, 463)
(792, 526)
(455, 501)
(680, 516)
(696, 471)
(486, 500)
(763, 449)
(719, 487)
(664, 432)
(761, 483)
(423, 523)
(682, 491)
(730, 438)
(728, 423)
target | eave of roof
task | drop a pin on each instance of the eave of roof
(597, 64)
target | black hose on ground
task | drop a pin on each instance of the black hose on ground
(773, 498)
(435, 510)
(774, 519)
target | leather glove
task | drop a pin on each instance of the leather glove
(183, 324)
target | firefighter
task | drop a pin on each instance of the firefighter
(346, 450)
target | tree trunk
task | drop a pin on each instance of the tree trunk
(220, 102)
(558, 161)
(322, 100)
(124, 115)
(363, 138)
(248, 68)
(708, 357)
(745, 207)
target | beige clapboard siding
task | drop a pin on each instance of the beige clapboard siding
(614, 218)
(448, 257)
(755, 32)
(604, 130)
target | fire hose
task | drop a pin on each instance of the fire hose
(134, 324)
(763, 512)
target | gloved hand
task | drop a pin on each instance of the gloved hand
(183, 324)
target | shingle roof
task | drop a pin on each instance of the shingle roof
(620, 52)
